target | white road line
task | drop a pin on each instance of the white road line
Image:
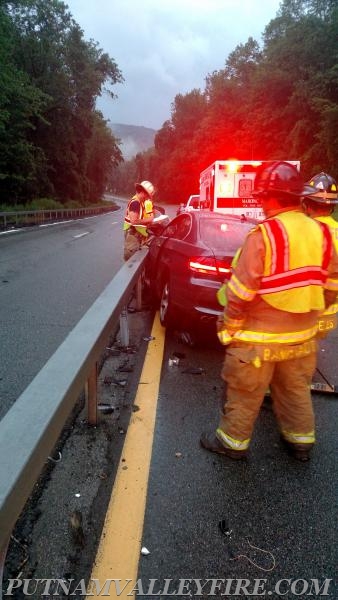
(80, 235)
(9, 231)
(56, 223)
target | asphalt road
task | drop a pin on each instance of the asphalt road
(49, 277)
(282, 507)
(286, 510)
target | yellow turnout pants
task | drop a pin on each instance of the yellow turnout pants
(248, 379)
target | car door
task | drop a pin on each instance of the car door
(171, 250)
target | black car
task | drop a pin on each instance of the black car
(190, 259)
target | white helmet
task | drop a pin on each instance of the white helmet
(145, 186)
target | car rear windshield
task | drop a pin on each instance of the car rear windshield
(222, 235)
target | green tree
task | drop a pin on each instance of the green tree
(70, 73)
(21, 105)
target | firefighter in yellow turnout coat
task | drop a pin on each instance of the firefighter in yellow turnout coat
(286, 275)
(322, 199)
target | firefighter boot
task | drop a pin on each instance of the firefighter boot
(210, 442)
(299, 452)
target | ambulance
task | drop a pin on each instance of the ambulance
(226, 186)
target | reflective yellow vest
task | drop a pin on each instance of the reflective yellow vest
(328, 320)
(146, 212)
(294, 270)
(333, 227)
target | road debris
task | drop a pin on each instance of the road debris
(76, 528)
(224, 527)
(172, 362)
(253, 562)
(120, 382)
(125, 368)
(113, 351)
(26, 555)
(106, 409)
(148, 338)
(145, 551)
(194, 370)
(55, 460)
(179, 355)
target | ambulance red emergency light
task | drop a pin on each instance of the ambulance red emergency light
(226, 186)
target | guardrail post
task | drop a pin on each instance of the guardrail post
(124, 328)
(91, 395)
(139, 293)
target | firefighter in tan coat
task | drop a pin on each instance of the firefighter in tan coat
(139, 215)
(286, 275)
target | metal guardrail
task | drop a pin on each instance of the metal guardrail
(10, 219)
(31, 428)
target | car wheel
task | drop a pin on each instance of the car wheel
(165, 305)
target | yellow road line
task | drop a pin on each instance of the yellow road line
(120, 545)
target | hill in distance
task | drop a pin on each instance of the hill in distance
(134, 138)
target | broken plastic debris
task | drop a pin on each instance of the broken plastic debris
(173, 362)
(121, 382)
(148, 338)
(78, 495)
(145, 551)
(194, 370)
(106, 408)
(225, 528)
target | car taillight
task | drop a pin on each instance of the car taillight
(208, 265)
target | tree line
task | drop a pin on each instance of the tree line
(277, 101)
(53, 141)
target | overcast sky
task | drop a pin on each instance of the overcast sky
(166, 47)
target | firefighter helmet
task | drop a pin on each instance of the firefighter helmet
(280, 179)
(145, 186)
(322, 188)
